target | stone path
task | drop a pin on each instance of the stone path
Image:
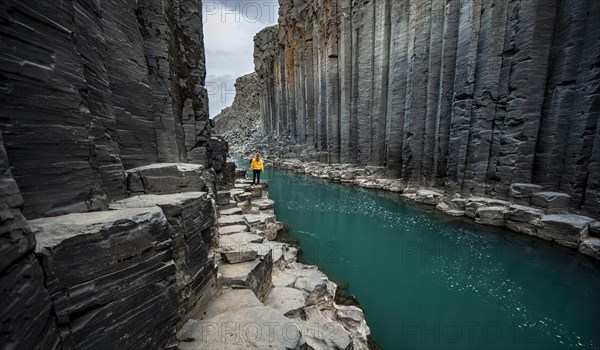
(266, 298)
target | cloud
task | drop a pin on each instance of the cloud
(229, 29)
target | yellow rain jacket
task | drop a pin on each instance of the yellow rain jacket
(257, 165)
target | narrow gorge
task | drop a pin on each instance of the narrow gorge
(464, 96)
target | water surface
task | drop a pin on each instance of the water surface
(429, 282)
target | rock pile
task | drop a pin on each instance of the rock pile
(268, 299)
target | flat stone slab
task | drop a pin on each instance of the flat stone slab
(232, 220)
(553, 202)
(257, 219)
(564, 228)
(264, 204)
(238, 240)
(284, 278)
(238, 256)
(289, 301)
(428, 197)
(232, 300)
(231, 211)
(523, 213)
(260, 327)
(229, 230)
(237, 274)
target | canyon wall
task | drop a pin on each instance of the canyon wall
(92, 94)
(90, 89)
(468, 96)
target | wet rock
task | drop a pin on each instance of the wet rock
(106, 268)
(552, 202)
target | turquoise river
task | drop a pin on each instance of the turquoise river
(429, 282)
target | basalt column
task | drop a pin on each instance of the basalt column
(468, 96)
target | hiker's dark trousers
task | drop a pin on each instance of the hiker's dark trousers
(256, 176)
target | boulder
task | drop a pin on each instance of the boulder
(165, 178)
(231, 211)
(552, 202)
(428, 197)
(107, 268)
(565, 229)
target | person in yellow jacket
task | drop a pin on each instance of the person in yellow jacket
(257, 167)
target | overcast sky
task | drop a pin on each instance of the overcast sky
(229, 29)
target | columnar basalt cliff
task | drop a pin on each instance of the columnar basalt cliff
(101, 101)
(467, 96)
(91, 89)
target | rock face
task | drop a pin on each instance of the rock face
(102, 100)
(104, 269)
(25, 308)
(470, 96)
(241, 122)
(90, 89)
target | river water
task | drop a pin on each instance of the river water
(430, 282)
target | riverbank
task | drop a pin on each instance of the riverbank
(529, 209)
(267, 298)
